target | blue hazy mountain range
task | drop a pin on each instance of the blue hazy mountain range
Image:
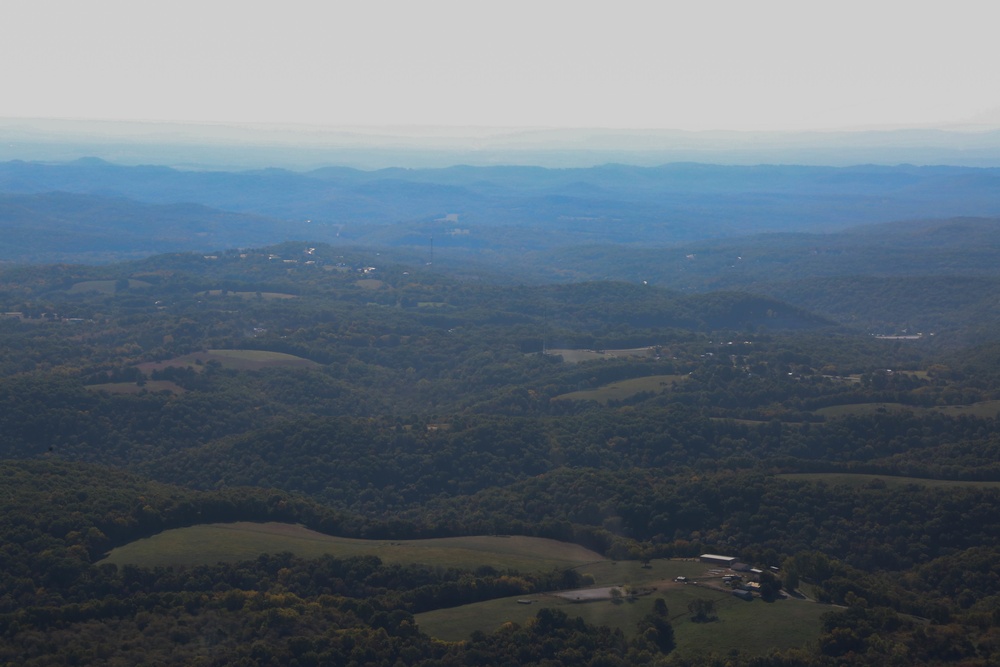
(890, 247)
(475, 207)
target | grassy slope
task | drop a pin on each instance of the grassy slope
(752, 626)
(249, 295)
(755, 627)
(212, 543)
(617, 391)
(576, 356)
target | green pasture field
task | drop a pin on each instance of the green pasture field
(369, 283)
(104, 286)
(621, 572)
(755, 627)
(233, 542)
(248, 295)
(132, 388)
(850, 379)
(576, 356)
(890, 481)
(987, 409)
(240, 360)
(617, 391)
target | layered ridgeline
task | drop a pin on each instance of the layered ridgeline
(310, 453)
(475, 211)
(60, 226)
(835, 244)
(900, 277)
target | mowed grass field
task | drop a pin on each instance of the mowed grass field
(890, 481)
(240, 360)
(232, 542)
(756, 626)
(617, 391)
(248, 295)
(576, 356)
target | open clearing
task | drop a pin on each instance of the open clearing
(248, 295)
(890, 481)
(755, 627)
(617, 391)
(151, 386)
(231, 542)
(240, 360)
(576, 356)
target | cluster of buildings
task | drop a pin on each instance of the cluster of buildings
(745, 584)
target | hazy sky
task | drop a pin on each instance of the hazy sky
(683, 65)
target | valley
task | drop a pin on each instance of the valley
(329, 450)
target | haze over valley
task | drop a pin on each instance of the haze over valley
(452, 333)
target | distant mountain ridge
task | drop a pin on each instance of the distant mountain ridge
(60, 226)
(608, 204)
(923, 275)
(889, 248)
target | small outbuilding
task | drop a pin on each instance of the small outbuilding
(743, 595)
(716, 559)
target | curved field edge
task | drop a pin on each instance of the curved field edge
(753, 627)
(238, 360)
(207, 544)
(623, 389)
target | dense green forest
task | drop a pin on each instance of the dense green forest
(362, 397)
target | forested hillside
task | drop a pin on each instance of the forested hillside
(891, 250)
(54, 226)
(365, 398)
